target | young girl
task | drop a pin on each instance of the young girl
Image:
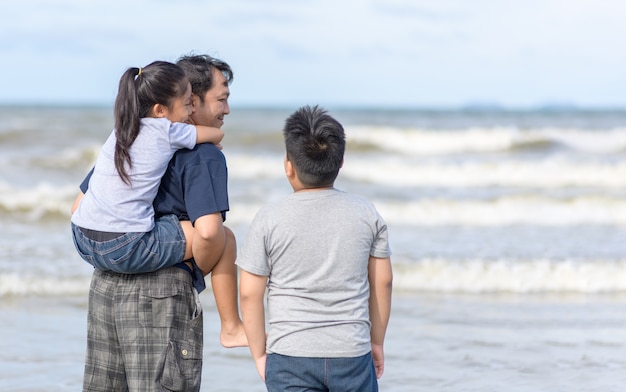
(113, 223)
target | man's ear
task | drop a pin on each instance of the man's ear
(159, 110)
(195, 102)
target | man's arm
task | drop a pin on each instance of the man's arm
(252, 292)
(208, 242)
(380, 280)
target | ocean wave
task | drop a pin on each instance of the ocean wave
(76, 157)
(549, 173)
(431, 275)
(533, 276)
(15, 284)
(507, 210)
(554, 172)
(68, 158)
(501, 211)
(45, 201)
(39, 202)
(484, 140)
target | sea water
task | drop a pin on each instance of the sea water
(508, 232)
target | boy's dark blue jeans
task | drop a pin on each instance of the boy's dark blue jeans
(284, 373)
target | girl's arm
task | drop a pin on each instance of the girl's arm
(208, 135)
(252, 291)
(380, 279)
(77, 202)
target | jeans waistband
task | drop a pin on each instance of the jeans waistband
(100, 236)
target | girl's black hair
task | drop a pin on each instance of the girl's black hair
(140, 89)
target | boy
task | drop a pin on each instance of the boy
(324, 257)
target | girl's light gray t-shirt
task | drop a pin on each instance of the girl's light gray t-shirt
(110, 204)
(315, 247)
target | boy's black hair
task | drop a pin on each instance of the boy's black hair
(315, 144)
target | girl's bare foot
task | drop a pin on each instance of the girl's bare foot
(233, 336)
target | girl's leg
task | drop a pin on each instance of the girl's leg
(224, 285)
(188, 230)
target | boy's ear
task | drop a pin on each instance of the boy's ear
(289, 170)
(159, 110)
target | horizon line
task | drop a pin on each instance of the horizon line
(471, 107)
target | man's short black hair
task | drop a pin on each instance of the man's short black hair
(199, 70)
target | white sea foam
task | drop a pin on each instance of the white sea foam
(45, 200)
(437, 275)
(482, 140)
(515, 210)
(15, 284)
(261, 167)
(38, 201)
(68, 158)
(479, 276)
(549, 173)
(401, 171)
(532, 210)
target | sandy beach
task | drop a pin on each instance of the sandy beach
(435, 342)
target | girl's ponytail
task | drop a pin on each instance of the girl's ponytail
(127, 118)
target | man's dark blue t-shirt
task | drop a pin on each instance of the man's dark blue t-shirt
(195, 184)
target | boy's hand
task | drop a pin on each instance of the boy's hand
(260, 366)
(379, 359)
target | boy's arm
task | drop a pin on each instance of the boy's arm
(380, 280)
(208, 135)
(252, 292)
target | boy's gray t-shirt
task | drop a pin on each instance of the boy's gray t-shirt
(315, 247)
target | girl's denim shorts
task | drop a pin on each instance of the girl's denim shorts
(131, 253)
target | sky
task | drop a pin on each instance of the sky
(352, 53)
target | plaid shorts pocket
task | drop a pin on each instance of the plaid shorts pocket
(182, 368)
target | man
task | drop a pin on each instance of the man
(145, 330)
